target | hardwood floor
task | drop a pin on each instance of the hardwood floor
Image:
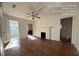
(38, 47)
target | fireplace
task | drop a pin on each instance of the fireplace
(43, 35)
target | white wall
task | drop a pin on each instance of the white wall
(75, 33)
(23, 28)
(43, 25)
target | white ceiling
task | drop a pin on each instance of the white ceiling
(43, 8)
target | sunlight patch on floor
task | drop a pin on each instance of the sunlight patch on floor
(31, 37)
(13, 43)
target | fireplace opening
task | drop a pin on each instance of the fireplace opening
(43, 35)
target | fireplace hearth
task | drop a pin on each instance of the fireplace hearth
(43, 35)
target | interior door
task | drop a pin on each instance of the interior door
(66, 30)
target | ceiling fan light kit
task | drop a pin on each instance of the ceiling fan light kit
(33, 15)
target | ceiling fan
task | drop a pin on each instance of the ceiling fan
(33, 15)
(34, 10)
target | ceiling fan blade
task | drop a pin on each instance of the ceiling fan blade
(33, 18)
(28, 14)
(36, 14)
(37, 17)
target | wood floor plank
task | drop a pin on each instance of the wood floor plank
(40, 47)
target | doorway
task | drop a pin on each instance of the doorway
(30, 29)
(14, 34)
(14, 29)
(66, 30)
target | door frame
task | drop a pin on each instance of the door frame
(71, 28)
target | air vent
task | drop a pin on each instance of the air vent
(13, 6)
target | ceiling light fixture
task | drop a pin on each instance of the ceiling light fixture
(13, 6)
